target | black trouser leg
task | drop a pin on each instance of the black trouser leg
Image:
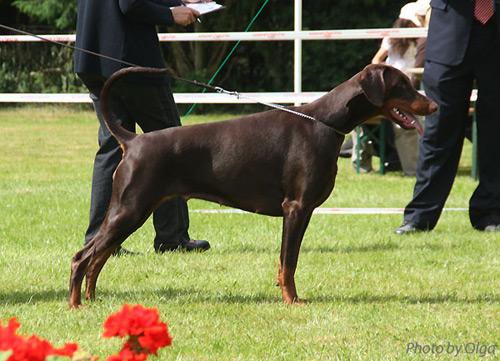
(153, 108)
(106, 160)
(484, 205)
(441, 144)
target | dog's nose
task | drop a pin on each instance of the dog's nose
(433, 107)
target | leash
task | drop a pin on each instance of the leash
(197, 83)
(226, 59)
(99, 55)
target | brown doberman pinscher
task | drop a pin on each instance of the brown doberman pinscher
(272, 163)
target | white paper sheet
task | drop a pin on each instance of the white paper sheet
(205, 8)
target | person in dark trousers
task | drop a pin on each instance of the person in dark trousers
(126, 30)
(463, 49)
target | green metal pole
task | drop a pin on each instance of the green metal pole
(229, 55)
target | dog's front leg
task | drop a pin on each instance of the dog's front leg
(295, 221)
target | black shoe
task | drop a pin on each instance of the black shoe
(408, 228)
(492, 228)
(185, 246)
(120, 252)
(194, 245)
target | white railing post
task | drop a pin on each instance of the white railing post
(297, 62)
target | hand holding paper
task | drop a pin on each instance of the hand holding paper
(203, 7)
(183, 15)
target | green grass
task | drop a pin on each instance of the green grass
(369, 292)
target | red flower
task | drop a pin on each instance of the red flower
(29, 349)
(146, 333)
(155, 338)
(8, 335)
(127, 353)
(67, 350)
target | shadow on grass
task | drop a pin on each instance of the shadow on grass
(314, 249)
(352, 248)
(188, 295)
(32, 297)
(192, 295)
(347, 249)
(407, 299)
(464, 171)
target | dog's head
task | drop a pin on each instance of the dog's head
(392, 93)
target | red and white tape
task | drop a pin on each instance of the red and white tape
(348, 34)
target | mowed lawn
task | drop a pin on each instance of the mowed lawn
(370, 293)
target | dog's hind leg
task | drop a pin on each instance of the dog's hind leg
(295, 221)
(120, 222)
(87, 263)
(79, 265)
(128, 210)
(93, 271)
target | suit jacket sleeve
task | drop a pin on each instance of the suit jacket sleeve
(155, 12)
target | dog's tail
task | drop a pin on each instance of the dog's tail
(120, 133)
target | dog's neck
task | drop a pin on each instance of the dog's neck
(342, 109)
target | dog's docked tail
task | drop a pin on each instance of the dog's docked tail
(121, 134)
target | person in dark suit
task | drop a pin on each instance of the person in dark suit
(463, 49)
(126, 30)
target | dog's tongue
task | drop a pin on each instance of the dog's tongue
(418, 127)
(407, 120)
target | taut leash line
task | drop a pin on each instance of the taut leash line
(99, 55)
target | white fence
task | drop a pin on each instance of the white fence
(297, 36)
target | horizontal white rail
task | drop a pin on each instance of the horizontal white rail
(180, 98)
(349, 34)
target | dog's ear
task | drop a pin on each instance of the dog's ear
(373, 84)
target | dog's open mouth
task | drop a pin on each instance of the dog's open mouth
(406, 120)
